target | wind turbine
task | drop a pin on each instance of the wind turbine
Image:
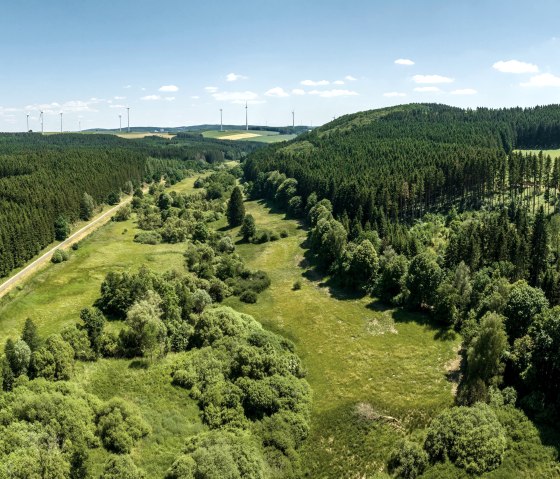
(221, 122)
(27, 121)
(60, 122)
(293, 119)
(120, 123)
(128, 118)
(246, 118)
(42, 122)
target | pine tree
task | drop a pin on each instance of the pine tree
(235, 209)
(30, 335)
(539, 248)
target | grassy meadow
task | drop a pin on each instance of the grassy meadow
(256, 135)
(362, 359)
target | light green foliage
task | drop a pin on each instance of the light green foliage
(147, 330)
(286, 190)
(93, 323)
(30, 334)
(59, 256)
(248, 228)
(87, 206)
(470, 437)
(123, 213)
(121, 467)
(453, 295)
(79, 341)
(54, 360)
(523, 304)
(119, 426)
(391, 278)
(18, 355)
(148, 237)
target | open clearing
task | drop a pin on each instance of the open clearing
(261, 136)
(359, 356)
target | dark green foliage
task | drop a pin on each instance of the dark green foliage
(248, 228)
(79, 341)
(61, 228)
(248, 296)
(392, 274)
(235, 208)
(123, 213)
(408, 461)
(30, 335)
(119, 426)
(93, 323)
(147, 237)
(470, 437)
(539, 248)
(54, 360)
(422, 280)
(523, 303)
(113, 198)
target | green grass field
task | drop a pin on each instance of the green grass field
(355, 352)
(552, 153)
(256, 135)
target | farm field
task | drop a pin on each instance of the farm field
(251, 135)
(362, 359)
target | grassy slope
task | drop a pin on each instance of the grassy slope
(263, 136)
(354, 351)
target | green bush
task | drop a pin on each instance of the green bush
(297, 285)
(248, 296)
(284, 233)
(123, 213)
(59, 256)
(76, 246)
(147, 237)
(408, 461)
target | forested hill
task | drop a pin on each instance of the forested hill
(402, 161)
(47, 182)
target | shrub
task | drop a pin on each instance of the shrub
(121, 467)
(59, 256)
(408, 461)
(147, 237)
(248, 296)
(123, 213)
(284, 233)
(297, 285)
(76, 246)
(274, 236)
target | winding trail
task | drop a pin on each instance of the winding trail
(32, 267)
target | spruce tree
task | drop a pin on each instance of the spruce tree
(235, 209)
(538, 248)
(30, 335)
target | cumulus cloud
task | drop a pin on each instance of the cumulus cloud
(169, 88)
(315, 83)
(424, 89)
(404, 61)
(515, 66)
(464, 91)
(235, 77)
(338, 82)
(195, 97)
(350, 78)
(392, 94)
(169, 98)
(237, 97)
(151, 97)
(298, 92)
(543, 80)
(432, 79)
(117, 106)
(277, 92)
(333, 93)
(119, 98)
(69, 106)
(211, 89)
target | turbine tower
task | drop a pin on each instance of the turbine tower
(246, 118)
(293, 119)
(42, 123)
(128, 118)
(60, 122)
(120, 123)
(80, 125)
(221, 121)
(28, 122)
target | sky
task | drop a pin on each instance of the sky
(178, 63)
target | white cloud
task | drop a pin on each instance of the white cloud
(298, 92)
(515, 66)
(55, 108)
(543, 80)
(151, 97)
(424, 89)
(464, 91)
(338, 82)
(127, 86)
(237, 97)
(211, 89)
(117, 106)
(392, 94)
(169, 98)
(169, 88)
(314, 83)
(277, 92)
(195, 97)
(119, 98)
(432, 79)
(333, 93)
(235, 77)
(404, 61)
(350, 78)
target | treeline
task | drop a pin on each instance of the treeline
(48, 180)
(402, 162)
(494, 276)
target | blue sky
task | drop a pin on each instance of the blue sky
(178, 62)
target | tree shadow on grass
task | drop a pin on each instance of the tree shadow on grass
(441, 332)
(139, 364)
